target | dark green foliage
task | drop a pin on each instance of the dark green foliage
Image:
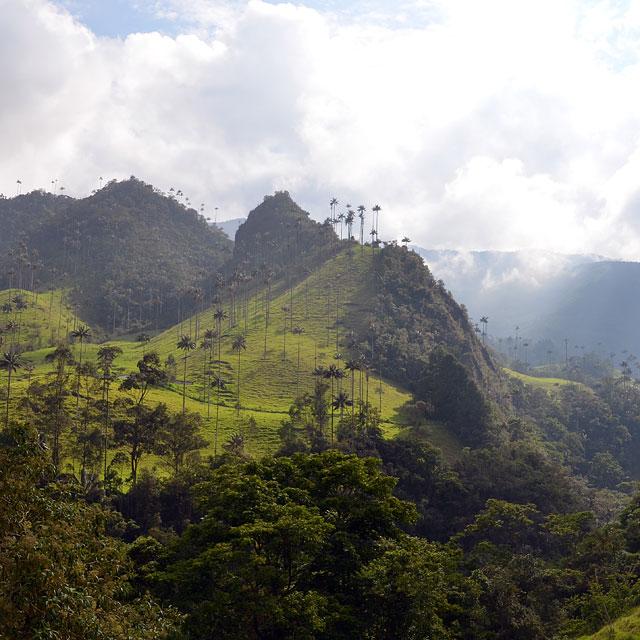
(279, 233)
(455, 397)
(61, 576)
(308, 547)
(20, 214)
(413, 315)
(130, 254)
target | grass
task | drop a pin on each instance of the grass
(269, 379)
(545, 383)
(624, 628)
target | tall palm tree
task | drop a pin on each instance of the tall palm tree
(341, 401)
(352, 366)
(81, 333)
(239, 345)
(206, 346)
(298, 330)
(333, 203)
(210, 336)
(185, 345)
(361, 210)
(106, 356)
(376, 210)
(348, 219)
(285, 310)
(10, 362)
(484, 321)
(332, 373)
(21, 305)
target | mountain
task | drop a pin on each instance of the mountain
(230, 226)
(587, 299)
(278, 232)
(24, 212)
(130, 256)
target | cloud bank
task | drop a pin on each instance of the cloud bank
(493, 125)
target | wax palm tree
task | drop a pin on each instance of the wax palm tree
(333, 204)
(106, 356)
(185, 345)
(405, 241)
(349, 218)
(239, 345)
(342, 400)
(81, 333)
(10, 362)
(361, 210)
(285, 310)
(376, 210)
(206, 346)
(298, 331)
(352, 366)
(333, 373)
(198, 295)
(21, 305)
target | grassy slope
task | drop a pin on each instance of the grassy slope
(46, 319)
(545, 383)
(624, 628)
(267, 385)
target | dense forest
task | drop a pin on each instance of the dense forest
(303, 436)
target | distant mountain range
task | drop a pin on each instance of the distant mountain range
(590, 300)
(230, 226)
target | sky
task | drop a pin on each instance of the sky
(493, 125)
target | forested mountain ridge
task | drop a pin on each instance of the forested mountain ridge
(130, 256)
(278, 232)
(24, 212)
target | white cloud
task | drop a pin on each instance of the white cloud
(474, 125)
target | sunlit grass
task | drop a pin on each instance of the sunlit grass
(270, 379)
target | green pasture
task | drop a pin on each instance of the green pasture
(270, 377)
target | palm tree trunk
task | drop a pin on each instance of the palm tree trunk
(6, 421)
(184, 385)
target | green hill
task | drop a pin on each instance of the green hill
(129, 256)
(25, 212)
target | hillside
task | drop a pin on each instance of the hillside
(24, 212)
(278, 232)
(129, 256)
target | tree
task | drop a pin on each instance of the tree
(54, 416)
(298, 331)
(179, 436)
(138, 431)
(81, 334)
(144, 339)
(353, 366)
(283, 550)
(332, 373)
(185, 345)
(361, 210)
(10, 362)
(62, 575)
(341, 401)
(106, 355)
(239, 345)
(285, 310)
(150, 373)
